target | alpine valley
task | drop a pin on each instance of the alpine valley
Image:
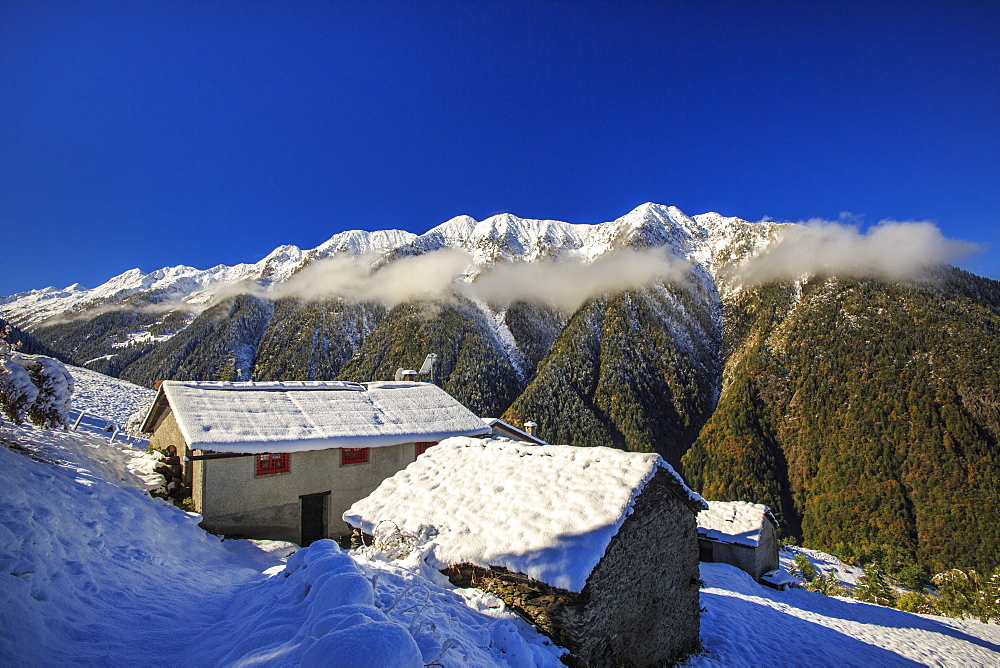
(865, 410)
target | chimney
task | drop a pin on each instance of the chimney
(530, 427)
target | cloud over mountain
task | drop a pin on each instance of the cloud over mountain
(354, 278)
(565, 284)
(891, 249)
(568, 284)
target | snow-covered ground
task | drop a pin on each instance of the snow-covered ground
(97, 572)
(109, 398)
(825, 564)
(747, 624)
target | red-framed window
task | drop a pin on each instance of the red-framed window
(422, 447)
(273, 463)
(353, 456)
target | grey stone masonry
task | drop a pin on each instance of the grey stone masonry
(640, 605)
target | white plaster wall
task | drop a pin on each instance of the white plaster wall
(233, 495)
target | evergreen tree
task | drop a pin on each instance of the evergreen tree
(804, 566)
(967, 593)
(873, 588)
(55, 386)
(17, 392)
(827, 584)
(33, 386)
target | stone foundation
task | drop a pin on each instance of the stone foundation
(537, 602)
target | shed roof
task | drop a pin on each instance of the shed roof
(548, 511)
(294, 416)
(737, 522)
(507, 430)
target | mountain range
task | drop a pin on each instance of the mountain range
(859, 400)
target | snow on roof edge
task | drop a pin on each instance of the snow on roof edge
(269, 386)
(307, 445)
(155, 409)
(696, 502)
(497, 423)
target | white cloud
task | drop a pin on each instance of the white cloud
(567, 285)
(353, 278)
(891, 249)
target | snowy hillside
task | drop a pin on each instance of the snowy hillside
(747, 624)
(105, 397)
(99, 573)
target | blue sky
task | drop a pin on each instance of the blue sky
(148, 134)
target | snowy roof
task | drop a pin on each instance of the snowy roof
(734, 521)
(293, 416)
(548, 511)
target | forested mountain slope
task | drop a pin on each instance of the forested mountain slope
(635, 370)
(868, 412)
(473, 365)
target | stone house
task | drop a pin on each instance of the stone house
(284, 460)
(741, 534)
(595, 546)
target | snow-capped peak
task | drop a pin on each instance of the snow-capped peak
(705, 240)
(459, 227)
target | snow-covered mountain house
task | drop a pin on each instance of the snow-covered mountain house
(741, 534)
(596, 546)
(284, 460)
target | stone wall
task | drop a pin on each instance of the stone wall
(640, 605)
(535, 601)
(767, 549)
(742, 557)
(167, 433)
(754, 560)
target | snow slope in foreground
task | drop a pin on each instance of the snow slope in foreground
(95, 571)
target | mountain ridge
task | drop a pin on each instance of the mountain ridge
(514, 238)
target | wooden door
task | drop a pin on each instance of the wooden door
(313, 526)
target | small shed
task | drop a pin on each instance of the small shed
(595, 546)
(284, 460)
(504, 429)
(741, 534)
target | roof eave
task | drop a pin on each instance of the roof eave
(310, 445)
(159, 405)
